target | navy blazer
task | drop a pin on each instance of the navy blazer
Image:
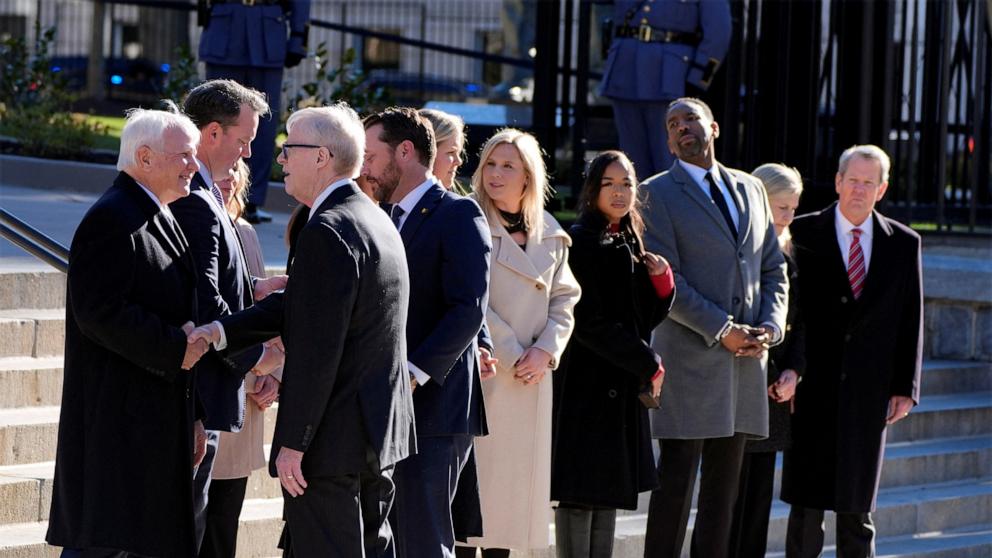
(223, 286)
(448, 246)
(254, 36)
(346, 386)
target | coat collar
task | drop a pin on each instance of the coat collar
(537, 257)
(175, 240)
(737, 189)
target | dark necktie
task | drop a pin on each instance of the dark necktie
(721, 204)
(395, 213)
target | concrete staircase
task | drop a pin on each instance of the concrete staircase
(936, 499)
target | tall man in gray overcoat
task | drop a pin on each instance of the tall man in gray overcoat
(713, 224)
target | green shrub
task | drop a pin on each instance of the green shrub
(35, 101)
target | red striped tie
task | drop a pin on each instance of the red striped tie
(856, 265)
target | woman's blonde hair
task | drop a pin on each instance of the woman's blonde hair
(536, 188)
(239, 189)
(447, 126)
(780, 179)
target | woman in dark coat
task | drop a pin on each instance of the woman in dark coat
(786, 362)
(602, 456)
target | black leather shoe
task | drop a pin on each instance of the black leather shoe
(254, 215)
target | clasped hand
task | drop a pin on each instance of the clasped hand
(747, 341)
(532, 366)
(198, 341)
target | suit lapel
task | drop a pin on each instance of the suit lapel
(172, 238)
(880, 264)
(827, 240)
(738, 191)
(231, 229)
(424, 208)
(689, 186)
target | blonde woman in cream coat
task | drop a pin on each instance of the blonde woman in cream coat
(531, 296)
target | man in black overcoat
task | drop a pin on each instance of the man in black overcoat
(124, 465)
(345, 407)
(862, 308)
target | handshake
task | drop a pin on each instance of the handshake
(199, 339)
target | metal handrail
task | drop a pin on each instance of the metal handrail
(33, 241)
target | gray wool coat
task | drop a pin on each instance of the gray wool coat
(708, 392)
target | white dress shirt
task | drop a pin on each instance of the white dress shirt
(158, 202)
(408, 203)
(699, 175)
(844, 236)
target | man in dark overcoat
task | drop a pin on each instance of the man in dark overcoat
(129, 405)
(863, 311)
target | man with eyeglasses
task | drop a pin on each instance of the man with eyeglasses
(346, 411)
(227, 115)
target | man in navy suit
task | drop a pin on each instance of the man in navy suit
(447, 243)
(247, 41)
(659, 47)
(227, 115)
(346, 415)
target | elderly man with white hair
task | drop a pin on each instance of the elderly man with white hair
(129, 408)
(346, 412)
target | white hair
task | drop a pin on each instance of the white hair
(866, 151)
(148, 127)
(338, 128)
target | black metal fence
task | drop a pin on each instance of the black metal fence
(802, 80)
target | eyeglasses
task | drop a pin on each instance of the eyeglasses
(286, 146)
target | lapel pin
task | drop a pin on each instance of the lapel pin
(423, 211)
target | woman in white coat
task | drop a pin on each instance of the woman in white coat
(531, 296)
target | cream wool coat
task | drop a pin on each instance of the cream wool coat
(531, 296)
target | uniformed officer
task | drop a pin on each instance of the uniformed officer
(250, 41)
(659, 46)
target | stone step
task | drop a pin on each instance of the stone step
(30, 434)
(933, 522)
(30, 381)
(32, 289)
(946, 416)
(942, 377)
(32, 332)
(974, 541)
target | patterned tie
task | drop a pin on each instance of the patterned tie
(217, 195)
(856, 264)
(721, 204)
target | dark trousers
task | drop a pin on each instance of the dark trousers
(96, 553)
(643, 137)
(749, 531)
(220, 539)
(342, 516)
(425, 487)
(201, 487)
(268, 81)
(804, 538)
(584, 531)
(668, 512)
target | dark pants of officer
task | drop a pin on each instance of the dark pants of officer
(643, 135)
(268, 81)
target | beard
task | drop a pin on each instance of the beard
(692, 149)
(385, 184)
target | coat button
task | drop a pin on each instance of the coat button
(539, 287)
(843, 376)
(612, 393)
(847, 337)
(737, 300)
(843, 300)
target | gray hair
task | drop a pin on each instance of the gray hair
(147, 127)
(779, 179)
(338, 128)
(866, 151)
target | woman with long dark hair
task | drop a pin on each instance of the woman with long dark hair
(609, 375)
